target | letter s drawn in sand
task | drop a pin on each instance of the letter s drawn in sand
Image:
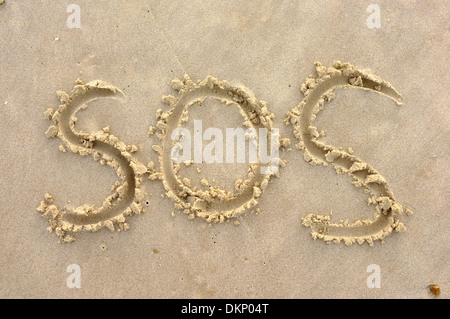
(103, 147)
(317, 91)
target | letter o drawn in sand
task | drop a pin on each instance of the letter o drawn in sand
(103, 147)
(215, 204)
(317, 91)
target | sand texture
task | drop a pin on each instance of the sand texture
(103, 107)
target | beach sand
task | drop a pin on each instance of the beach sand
(268, 50)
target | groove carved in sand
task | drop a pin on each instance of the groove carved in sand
(318, 90)
(103, 147)
(215, 204)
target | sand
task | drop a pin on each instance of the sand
(87, 105)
